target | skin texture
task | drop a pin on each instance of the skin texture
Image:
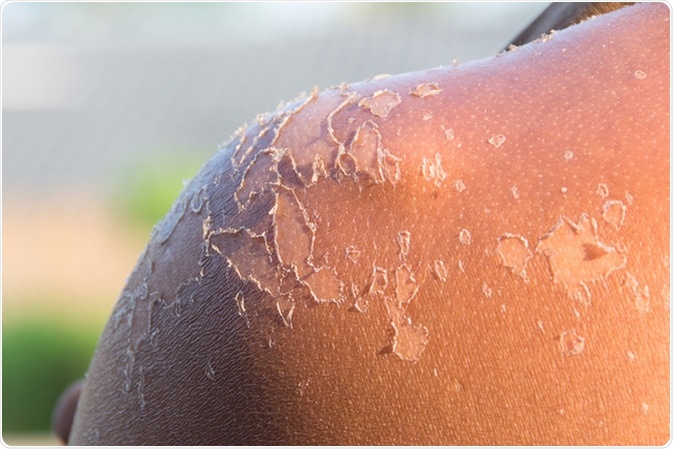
(480, 255)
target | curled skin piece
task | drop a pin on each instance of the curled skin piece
(325, 279)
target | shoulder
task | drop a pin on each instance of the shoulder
(383, 262)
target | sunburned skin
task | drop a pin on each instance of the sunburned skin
(475, 254)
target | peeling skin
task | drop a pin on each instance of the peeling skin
(361, 301)
(613, 212)
(426, 90)
(391, 167)
(262, 133)
(243, 146)
(347, 164)
(576, 256)
(290, 257)
(324, 285)
(238, 138)
(293, 232)
(285, 307)
(456, 386)
(165, 228)
(361, 154)
(256, 177)
(602, 190)
(404, 241)
(396, 289)
(544, 38)
(381, 76)
(210, 373)
(294, 236)
(310, 134)
(432, 170)
(577, 313)
(641, 295)
(365, 149)
(240, 303)
(138, 321)
(410, 340)
(198, 200)
(249, 256)
(571, 343)
(465, 237)
(319, 169)
(381, 102)
(406, 286)
(639, 74)
(378, 281)
(514, 253)
(288, 173)
(439, 270)
(497, 140)
(352, 254)
(350, 99)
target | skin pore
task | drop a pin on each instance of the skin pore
(475, 254)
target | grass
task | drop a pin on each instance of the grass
(40, 358)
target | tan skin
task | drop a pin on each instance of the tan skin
(387, 300)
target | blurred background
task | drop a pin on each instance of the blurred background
(108, 108)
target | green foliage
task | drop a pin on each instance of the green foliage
(149, 185)
(40, 358)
